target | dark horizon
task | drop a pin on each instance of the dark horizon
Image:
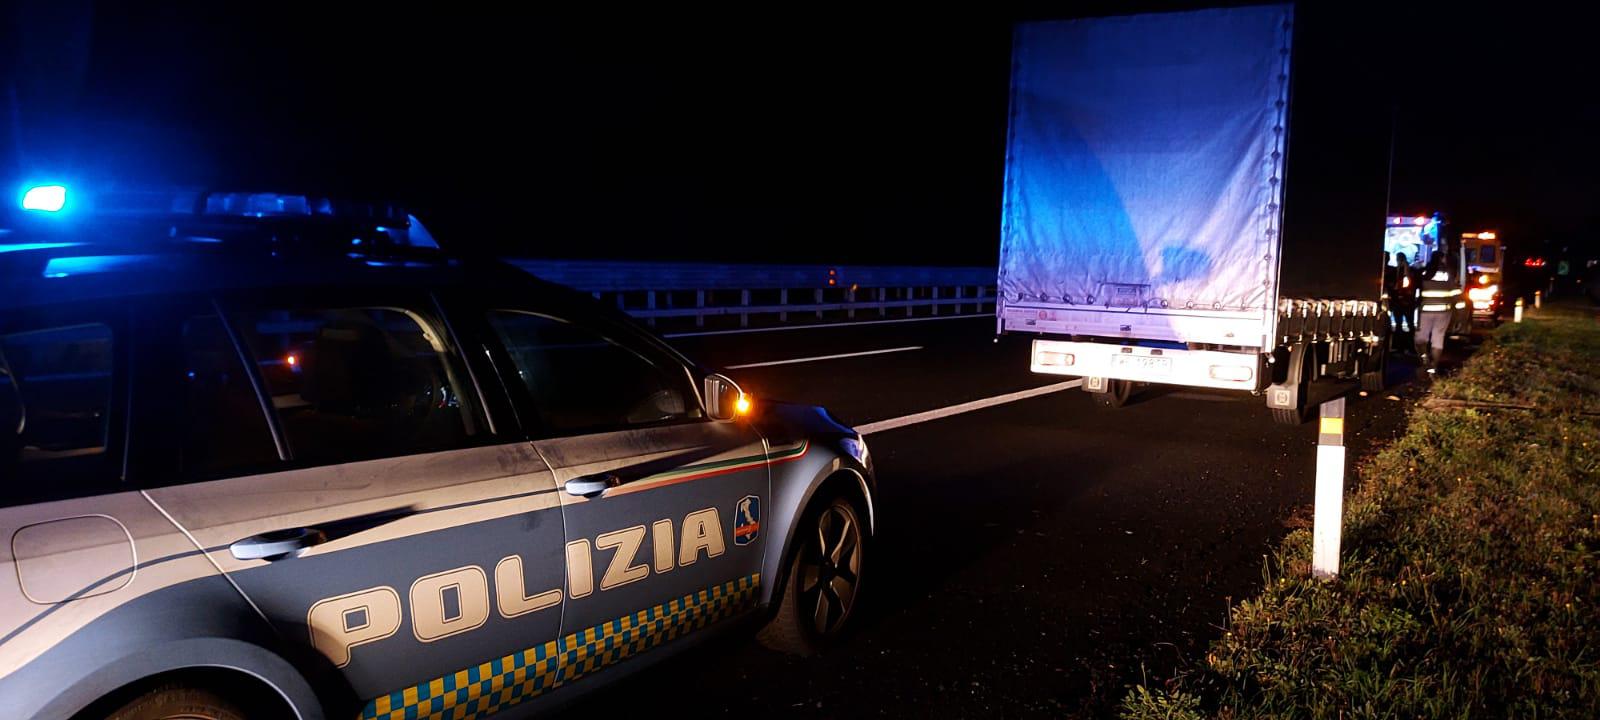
(839, 137)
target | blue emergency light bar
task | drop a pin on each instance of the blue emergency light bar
(392, 223)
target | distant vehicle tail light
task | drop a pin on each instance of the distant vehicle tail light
(1235, 373)
(1050, 358)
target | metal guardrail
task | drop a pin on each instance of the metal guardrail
(672, 291)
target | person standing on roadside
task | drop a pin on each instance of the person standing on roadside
(1440, 290)
(1402, 294)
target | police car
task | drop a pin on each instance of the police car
(270, 455)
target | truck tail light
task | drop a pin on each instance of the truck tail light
(1235, 373)
(1050, 358)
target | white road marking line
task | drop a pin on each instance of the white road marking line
(792, 361)
(825, 326)
(966, 407)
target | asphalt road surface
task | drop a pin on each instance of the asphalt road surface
(1034, 557)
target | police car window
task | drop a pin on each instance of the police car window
(55, 410)
(224, 428)
(581, 381)
(352, 383)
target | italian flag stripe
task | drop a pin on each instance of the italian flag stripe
(712, 469)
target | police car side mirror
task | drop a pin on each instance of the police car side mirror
(725, 400)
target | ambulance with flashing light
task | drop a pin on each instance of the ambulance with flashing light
(1484, 254)
(1420, 238)
(279, 456)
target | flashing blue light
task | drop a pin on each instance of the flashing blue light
(259, 204)
(45, 198)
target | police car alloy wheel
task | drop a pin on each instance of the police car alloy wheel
(820, 595)
(179, 702)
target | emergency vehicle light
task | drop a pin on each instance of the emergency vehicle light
(45, 198)
(264, 204)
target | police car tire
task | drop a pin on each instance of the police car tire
(179, 702)
(789, 631)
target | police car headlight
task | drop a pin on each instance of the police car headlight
(856, 447)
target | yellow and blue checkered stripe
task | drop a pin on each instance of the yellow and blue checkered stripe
(496, 685)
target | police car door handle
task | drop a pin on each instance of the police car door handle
(592, 485)
(278, 544)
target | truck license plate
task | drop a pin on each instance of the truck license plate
(1142, 364)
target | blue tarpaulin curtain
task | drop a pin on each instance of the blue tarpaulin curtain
(1145, 160)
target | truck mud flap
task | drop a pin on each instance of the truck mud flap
(1288, 390)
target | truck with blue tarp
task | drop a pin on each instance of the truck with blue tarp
(1150, 230)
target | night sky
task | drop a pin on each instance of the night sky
(815, 134)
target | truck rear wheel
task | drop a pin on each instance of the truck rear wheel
(1117, 394)
(1374, 378)
(1289, 416)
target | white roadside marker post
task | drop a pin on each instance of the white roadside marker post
(1328, 515)
(1517, 315)
(1538, 298)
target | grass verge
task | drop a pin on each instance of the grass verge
(1470, 582)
